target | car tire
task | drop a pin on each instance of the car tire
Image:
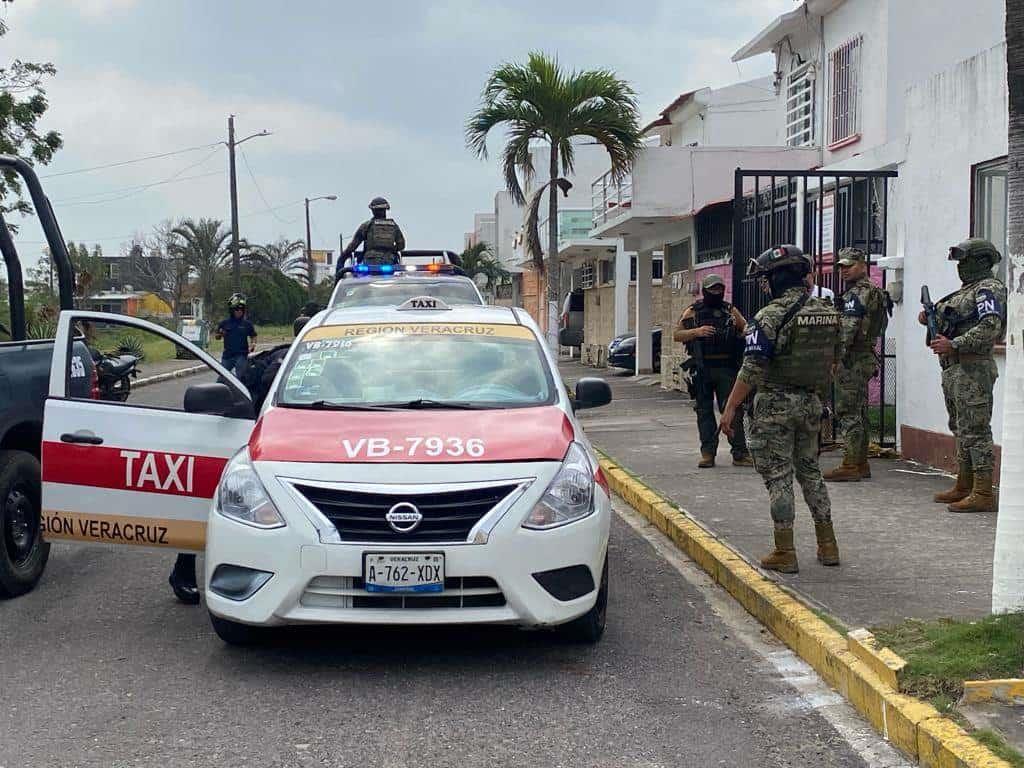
(589, 627)
(236, 633)
(23, 553)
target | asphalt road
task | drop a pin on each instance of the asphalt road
(100, 666)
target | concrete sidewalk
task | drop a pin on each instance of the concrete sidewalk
(903, 555)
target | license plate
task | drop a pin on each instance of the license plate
(403, 572)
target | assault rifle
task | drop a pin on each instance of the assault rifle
(931, 315)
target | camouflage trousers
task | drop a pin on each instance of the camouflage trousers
(852, 407)
(783, 440)
(967, 388)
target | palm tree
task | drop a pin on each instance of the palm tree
(202, 245)
(1007, 564)
(478, 259)
(287, 257)
(541, 102)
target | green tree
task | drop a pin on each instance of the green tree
(203, 245)
(541, 102)
(479, 259)
(88, 268)
(22, 103)
(285, 256)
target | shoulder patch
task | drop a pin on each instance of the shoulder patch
(758, 344)
(852, 306)
(988, 304)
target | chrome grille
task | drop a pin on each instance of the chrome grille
(448, 516)
(350, 592)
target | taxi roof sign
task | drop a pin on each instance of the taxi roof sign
(423, 302)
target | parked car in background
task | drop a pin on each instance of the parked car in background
(622, 350)
(570, 322)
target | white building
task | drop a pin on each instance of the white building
(917, 87)
(677, 202)
(508, 221)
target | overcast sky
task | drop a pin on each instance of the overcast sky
(363, 98)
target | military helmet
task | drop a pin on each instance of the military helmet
(236, 301)
(975, 248)
(777, 258)
(379, 202)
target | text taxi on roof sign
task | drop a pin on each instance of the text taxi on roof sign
(412, 464)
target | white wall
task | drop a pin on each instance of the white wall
(485, 229)
(954, 120)
(741, 114)
(508, 218)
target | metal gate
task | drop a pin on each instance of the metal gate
(821, 212)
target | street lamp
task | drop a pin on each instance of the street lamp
(236, 268)
(309, 239)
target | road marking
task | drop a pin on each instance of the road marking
(810, 692)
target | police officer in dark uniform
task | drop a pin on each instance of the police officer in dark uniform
(380, 236)
(711, 329)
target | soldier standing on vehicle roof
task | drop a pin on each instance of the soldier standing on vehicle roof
(972, 319)
(380, 236)
(791, 347)
(864, 309)
(715, 326)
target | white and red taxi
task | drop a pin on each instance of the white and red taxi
(418, 464)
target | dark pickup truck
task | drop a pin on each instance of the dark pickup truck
(24, 382)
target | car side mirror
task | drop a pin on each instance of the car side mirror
(592, 392)
(217, 399)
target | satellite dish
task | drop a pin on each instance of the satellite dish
(480, 279)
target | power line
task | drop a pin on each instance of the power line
(275, 208)
(129, 162)
(260, 191)
(132, 191)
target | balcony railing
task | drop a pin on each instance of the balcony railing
(609, 197)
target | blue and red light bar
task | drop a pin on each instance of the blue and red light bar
(376, 270)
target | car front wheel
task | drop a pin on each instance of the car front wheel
(23, 553)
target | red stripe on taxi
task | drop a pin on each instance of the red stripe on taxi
(412, 437)
(132, 469)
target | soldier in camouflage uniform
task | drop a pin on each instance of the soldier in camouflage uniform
(864, 310)
(971, 321)
(791, 346)
(380, 236)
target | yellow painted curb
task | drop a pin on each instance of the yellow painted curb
(1009, 691)
(865, 676)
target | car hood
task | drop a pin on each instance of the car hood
(401, 436)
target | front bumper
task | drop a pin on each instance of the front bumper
(315, 582)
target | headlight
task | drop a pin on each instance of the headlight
(569, 497)
(242, 497)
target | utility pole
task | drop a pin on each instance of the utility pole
(236, 264)
(309, 242)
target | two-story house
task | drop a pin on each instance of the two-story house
(915, 87)
(677, 201)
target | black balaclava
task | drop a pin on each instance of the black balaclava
(713, 299)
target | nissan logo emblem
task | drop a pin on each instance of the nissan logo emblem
(403, 517)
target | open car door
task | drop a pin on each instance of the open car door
(135, 457)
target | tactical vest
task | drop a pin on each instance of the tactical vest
(381, 235)
(877, 317)
(805, 348)
(721, 349)
(958, 312)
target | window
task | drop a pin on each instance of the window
(657, 268)
(989, 206)
(607, 268)
(844, 91)
(112, 271)
(677, 256)
(587, 276)
(713, 228)
(800, 106)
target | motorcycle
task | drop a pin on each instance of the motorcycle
(114, 375)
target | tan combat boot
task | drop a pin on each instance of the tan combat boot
(706, 461)
(783, 557)
(980, 498)
(961, 490)
(828, 547)
(847, 472)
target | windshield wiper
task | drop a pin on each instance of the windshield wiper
(426, 404)
(327, 405)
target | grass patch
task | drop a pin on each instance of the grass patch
(274, 333)
(998, 745)
(942, 654)
(154, 348)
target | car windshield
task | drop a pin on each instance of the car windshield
(417, 365)
(379, 293)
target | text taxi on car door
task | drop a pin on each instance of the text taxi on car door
(418, 464)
